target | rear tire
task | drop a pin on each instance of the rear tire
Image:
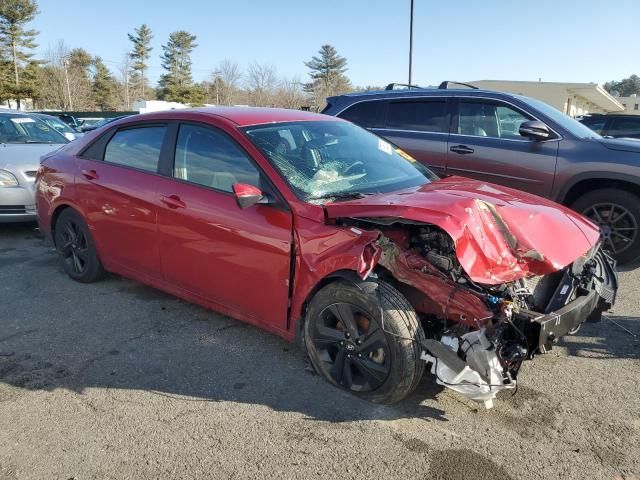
(346, 343)
(76, 249)
(617, 213)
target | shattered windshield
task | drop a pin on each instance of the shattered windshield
(336, 160)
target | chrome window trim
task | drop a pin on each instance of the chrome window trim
(445, 97)
(408, 131)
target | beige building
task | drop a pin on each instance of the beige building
(631, 104)
(574, 99)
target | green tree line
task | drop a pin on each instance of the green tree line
(74, 79)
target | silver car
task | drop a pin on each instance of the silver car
(23, 140)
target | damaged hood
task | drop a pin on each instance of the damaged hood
(500, 234)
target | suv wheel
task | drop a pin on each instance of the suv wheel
(617, 213)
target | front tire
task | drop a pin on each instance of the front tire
(348, 346)
(76, 249)
(617, 213)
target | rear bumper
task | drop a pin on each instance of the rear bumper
(591, 299)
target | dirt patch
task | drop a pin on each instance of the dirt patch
(25, 372)
(464, 464)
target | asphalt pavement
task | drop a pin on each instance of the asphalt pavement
(118, 380)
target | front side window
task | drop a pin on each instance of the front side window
(422, 116)
(324, 161)
(210, 158)
(136, 147)
(364, 114)
(481, 119)
(27, 129)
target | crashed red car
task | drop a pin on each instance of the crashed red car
(313, 228)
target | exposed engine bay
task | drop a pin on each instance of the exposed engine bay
(478, 335)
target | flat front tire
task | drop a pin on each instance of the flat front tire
(76, 249)
(366, 342)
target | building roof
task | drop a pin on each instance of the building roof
(593, 92)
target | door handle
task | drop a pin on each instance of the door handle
(90, 174)
(461, 149)
(172, 201)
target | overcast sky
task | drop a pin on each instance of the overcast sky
(560, 40)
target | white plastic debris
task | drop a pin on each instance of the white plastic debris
(481, 378)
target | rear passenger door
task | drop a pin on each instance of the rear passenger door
(116, 186)
(485, 144)
(418, 126)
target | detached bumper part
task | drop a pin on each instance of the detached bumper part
(542, 329)
(465, 377)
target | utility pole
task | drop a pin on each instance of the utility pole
(65, 63)
(410, 40)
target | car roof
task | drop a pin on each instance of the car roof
(418, 92)
(611, 115)
(245, 116)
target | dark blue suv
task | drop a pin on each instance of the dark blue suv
(511, 140)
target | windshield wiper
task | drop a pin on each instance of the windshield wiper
(341, 196)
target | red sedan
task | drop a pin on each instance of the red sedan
(313, 228)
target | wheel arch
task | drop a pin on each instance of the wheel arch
(591, 181)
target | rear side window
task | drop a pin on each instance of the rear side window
(423, 116)
(625, 127)
(364, 114)
(210, 158)
(136, 147)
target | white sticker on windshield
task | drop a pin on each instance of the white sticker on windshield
(23, 120)
(384, 146)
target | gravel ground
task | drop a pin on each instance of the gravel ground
(117, 380)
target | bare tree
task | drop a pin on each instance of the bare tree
(228, 76)
(289, 93)
(125, 71)
(261, 82)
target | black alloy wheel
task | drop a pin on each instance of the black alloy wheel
(76, 248)
(353, 347)
(618, 226)
(347, 344)
(617, 213)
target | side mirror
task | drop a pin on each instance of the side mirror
(535, 130)
(248, 195)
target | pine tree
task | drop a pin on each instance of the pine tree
(327, 71)
(141, 41)
(14, 15)
(177, 84)
(103, 87)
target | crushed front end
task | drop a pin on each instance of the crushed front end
(479, 334)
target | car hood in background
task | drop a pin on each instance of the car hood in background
(500, 234)
(621, 144)
(24, 156)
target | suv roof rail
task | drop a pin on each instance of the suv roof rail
(392, 86)
(444, 85)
